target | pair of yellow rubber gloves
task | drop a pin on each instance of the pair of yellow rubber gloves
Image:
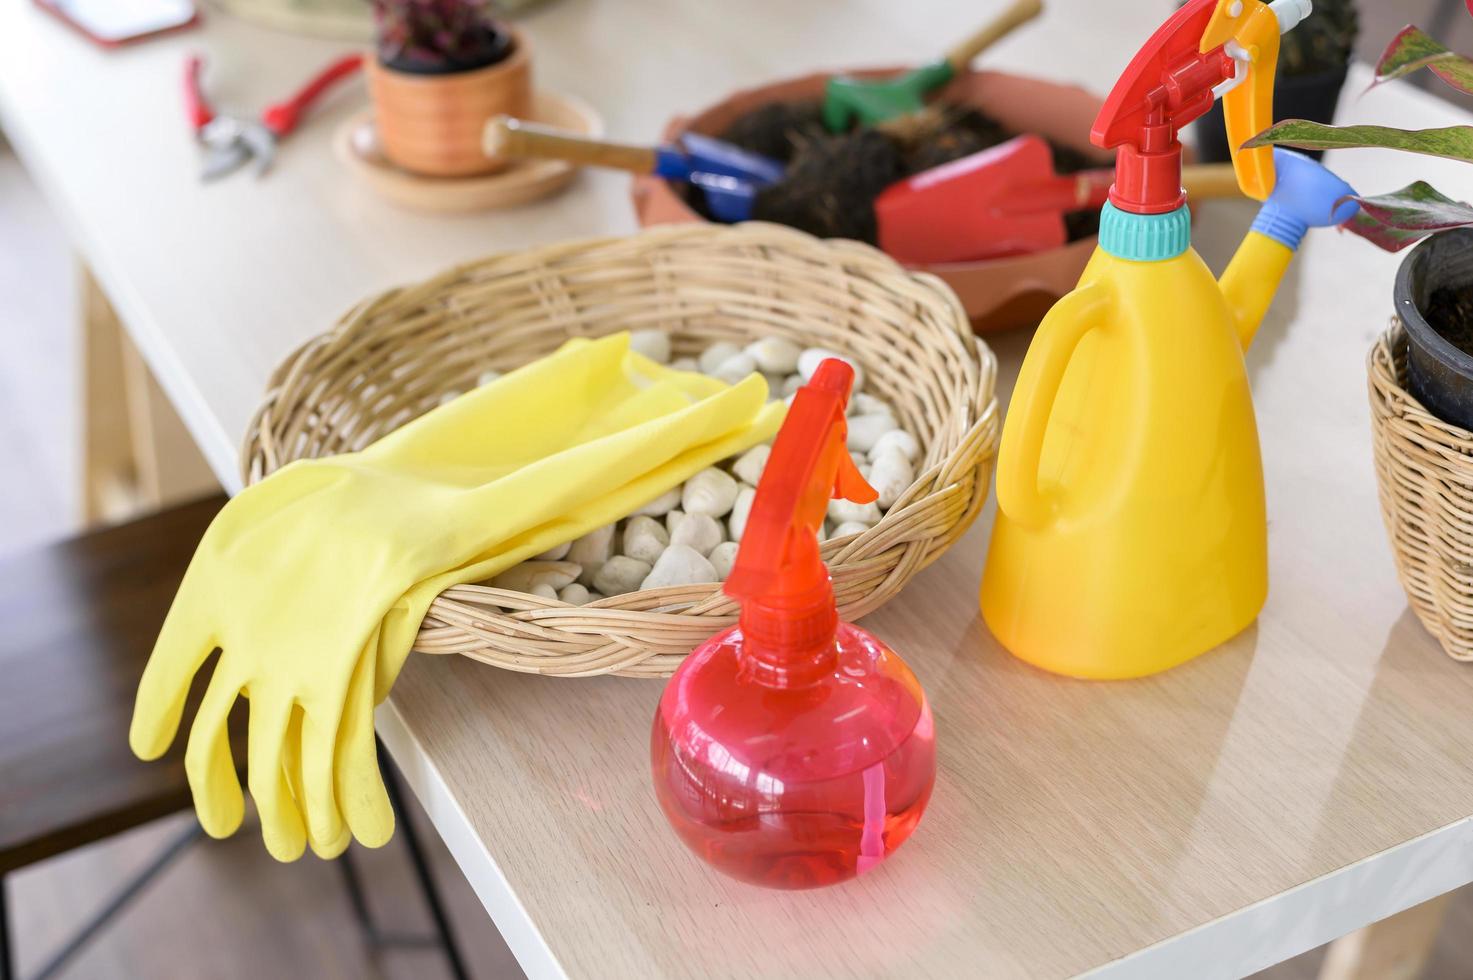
(314, 582)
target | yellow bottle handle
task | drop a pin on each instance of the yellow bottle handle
(1053, 347)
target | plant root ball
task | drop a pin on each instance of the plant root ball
(831, 185)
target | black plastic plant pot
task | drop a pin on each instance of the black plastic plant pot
(1311, 97)
(1439, 375)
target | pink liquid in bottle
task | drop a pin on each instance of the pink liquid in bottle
(793, 750)
(794, 787)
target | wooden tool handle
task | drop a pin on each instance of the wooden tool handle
(517, 138)
(1209, 180)
(1017, 14)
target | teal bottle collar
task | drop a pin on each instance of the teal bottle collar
(1145, 237)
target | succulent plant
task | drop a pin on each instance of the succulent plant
(1323, 41)
(437, 35)
(1397, 219)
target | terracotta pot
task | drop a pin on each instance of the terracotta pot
(997, 293)
(432, 124)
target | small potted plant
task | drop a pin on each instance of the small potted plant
(1434, 287)
(1421, 370)
(440, 70)
(1313, 60)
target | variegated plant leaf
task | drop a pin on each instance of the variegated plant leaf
(1454, 142)
(1412, 49)
(1382, 236)
(1395, 220)
(1417, 207)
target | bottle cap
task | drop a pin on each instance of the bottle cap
(1206, 50)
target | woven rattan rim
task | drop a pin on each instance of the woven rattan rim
(1424, 475)
(392, 358)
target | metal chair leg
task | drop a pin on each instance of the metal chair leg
(118, 902)
(7, 965)
(421, 866)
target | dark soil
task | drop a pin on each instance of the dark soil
(833, 179)
(489, 47)
(1450, 312)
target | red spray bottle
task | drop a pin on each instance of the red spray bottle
(794, 750)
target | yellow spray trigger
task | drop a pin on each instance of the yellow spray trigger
(1248, 31)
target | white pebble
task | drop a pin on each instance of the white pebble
(775, 355)
(865, 431)
(544, 590)
(574, 595)
(863, 404)
(897, 440)
(734, 369)
(680, 565)
(662, 504)
(653, 343)
(810, 359)
(749, 465)
(685, 364)
(487, 376)
(722, 557)
(449, 397)
(891, 475)
(556, 553)
(698, 531)
(620, 574)
(844, 511)
(737, 522)
(645, 538)
(530, 574)
(592, 550)
(791, 384)
(712, 357)
(848, 528)
(673, 519)
(710, 492)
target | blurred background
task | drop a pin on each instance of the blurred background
(253, 895)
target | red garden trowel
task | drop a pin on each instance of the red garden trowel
(1005, 200)
(727, 175)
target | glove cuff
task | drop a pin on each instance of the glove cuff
(1280, 224)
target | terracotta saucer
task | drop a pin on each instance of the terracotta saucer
(356, 144)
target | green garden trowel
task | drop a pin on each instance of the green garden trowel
(872, 101)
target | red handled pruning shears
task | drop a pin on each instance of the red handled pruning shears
(230, 141)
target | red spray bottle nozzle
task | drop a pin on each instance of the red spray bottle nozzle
(788, 616)
(1207, 49)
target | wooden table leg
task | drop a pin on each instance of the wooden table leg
(137, 456)
(1392, 949)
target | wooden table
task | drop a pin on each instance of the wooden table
(1307, 779)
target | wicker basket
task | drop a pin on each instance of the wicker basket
(1424, 470)
(391, 359)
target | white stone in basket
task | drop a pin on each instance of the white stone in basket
(680, 565)
(699, 531)
(620, 574)
(710, 492)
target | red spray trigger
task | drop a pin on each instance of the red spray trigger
(788, 613)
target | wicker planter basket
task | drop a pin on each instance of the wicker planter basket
(391, 358)
(1424, 471)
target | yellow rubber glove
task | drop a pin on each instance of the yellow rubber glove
(313, 583)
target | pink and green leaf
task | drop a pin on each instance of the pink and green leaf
(1395, 220)
(1412, 49)
(1454, 142)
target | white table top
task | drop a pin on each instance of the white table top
(1308, 778)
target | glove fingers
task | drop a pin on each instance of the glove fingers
(309, 767)
(208, 762)
(360, 786)
(281, 823)
(182, 647)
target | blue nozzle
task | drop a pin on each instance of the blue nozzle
(1305, 196)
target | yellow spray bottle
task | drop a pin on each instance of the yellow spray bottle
(1130, 533)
